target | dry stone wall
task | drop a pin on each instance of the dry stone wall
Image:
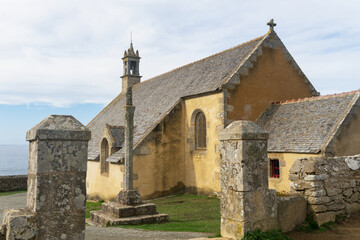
(13, 183)
(331, 185)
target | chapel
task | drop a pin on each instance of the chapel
(179, 114)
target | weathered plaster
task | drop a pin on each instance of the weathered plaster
(202, 168)
(270, 79)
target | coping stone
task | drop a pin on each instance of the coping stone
(243, 130)
(59, 127)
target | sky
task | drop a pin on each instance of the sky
(64, 57)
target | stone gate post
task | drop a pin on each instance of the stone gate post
(56, 182)
(246, 202)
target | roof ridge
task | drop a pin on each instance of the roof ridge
(339, 123)
(248, 56)
(115, 126)
(201, 59)
(333, 95)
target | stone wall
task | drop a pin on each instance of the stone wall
(56, 194)
(291, 212)
(331, 185)
(246, 201)
(13, 183)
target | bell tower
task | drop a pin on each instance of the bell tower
(131, 62)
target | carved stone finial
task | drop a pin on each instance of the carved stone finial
(271, 24)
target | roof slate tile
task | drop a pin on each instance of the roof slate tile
(304, 125)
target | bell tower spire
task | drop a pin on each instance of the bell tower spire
(131, 61)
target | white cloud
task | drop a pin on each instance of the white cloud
(65, 52)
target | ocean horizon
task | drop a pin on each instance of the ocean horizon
(14, 159)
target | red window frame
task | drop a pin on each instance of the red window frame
(275, 168)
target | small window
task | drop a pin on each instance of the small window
(104, 155)
(275, 169)
(200, 131)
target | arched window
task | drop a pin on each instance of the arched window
(104, 155)
(200, 131)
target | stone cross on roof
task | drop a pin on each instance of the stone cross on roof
(271, 24)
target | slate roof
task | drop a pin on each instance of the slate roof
(305, 125)
(156, 97)
(118, 134)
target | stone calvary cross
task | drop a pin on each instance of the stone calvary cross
(129, 134)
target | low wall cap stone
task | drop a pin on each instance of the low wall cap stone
(245, 130)
(59, 127)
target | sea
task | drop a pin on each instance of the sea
(14, 159)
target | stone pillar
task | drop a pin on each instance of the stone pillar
(56, 182)
(246, 202)
(129, 136)
(129, 195)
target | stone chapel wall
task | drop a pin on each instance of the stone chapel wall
(331, 185)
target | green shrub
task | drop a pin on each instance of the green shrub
(269, 235)
(309, 226)
(340, 218)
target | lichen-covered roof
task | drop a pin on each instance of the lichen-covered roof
(305, 125)
(153, 99)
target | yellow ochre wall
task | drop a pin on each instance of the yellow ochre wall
(103, 186)
(271, 79)
(161, 172)
(202, 167)
(158, 165)
(286, 160)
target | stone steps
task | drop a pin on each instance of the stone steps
(105, 219)
(122, 211)
(114, 213)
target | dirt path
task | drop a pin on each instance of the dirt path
(348, 230)
(98, 233)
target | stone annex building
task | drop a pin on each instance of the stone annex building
(179, 113)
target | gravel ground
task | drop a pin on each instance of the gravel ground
(95, 233)
(12, 201)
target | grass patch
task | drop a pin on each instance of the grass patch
(327, 226)
(311, 226)
(188, 213)
(10, 193)
(92, 206)
(269, 235)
